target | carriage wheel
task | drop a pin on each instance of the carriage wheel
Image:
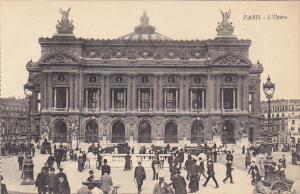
(280, 185)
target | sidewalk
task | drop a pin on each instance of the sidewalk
(122, 178)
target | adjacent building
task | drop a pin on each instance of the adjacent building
(285, 119)
(13, 118)
(145, 87)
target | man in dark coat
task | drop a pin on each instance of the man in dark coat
(20, 161)
(228, 171)
(3, 186)
(52, 182)
(139, 176)
(179, 184)
(211, 174)
(201, 168)
(154, 164)
(194, 178)
(63, 186)
(58, 157)
(99, 161)
(105, 167)
(188, 165)
(50, 161)
(127, 162)
(170, 161)
(41, 182)
(229, 156)
(180, 157)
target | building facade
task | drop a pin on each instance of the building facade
(287, 113)
(13, 118)
(146, 88)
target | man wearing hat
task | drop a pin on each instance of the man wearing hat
(158, 189)
(228, 171)
(179, 184)
(84, 190)
(211, 174)
(3, 186)
(139, 176)
(105, 167)
(90, 179)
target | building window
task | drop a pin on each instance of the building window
(119, 98)
(293, 122)
(145, 99)
(171, 99)
(38, 101)
(197, 99)
(61, 97)
(228, 98)
(92, 96)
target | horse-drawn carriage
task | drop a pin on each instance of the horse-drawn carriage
(196, 150)
(276, 183)
(122, 148)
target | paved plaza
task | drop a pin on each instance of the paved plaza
(125, 178)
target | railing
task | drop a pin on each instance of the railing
(144, 110)
(199, 110)
(229, 110)
(118, 110)
(171, 110)
(91, 110)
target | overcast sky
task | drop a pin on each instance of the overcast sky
(275, 43)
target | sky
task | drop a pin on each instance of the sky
(275, 42)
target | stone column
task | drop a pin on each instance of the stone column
(129, 93)
(50, 91)
(134, 97)
(239, 94)
(43, 91)
(217, 94)
(209, 95)
(71, 94)
(187, 95)
(181, 96)
(161, 98)
(107, 99)
(102, 93)
(76, 91)
(155, 93)
(245, 93)
(81, 90)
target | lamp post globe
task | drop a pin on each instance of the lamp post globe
(269, 89)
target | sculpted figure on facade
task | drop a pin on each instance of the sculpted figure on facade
(65, 26)
(215, 125)
(45, 129)
(242, 131)
(73, 130)
(225, 28)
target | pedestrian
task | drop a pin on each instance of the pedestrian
(211, 174)
(201, 168)
(105, 183)
(158, 188)
(255, 177)
(63, 183)
(50, 161)
(229, 156)
(155, 165)
(194, 177)
(41, 182)
(33, 150)
(3, 186)
(252, 171)
(90, 179)
(20, 160)
(247, 160)
(139, 176)
(180, 157)
(243, 149)
(58, 157)
(170, 161)
(105, 167)
(45, 167)
(84, 190)
(80, 162)
(188, 164)
(179, 184)
(228, 171)
(215, 155)
(294, 156)
(99, 160)
(127, 162)
(52, 182)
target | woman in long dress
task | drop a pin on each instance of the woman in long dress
(81, 162)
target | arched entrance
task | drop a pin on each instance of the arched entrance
(228, 136)
(197, 132)
(171, 133)
(118, 132)
(144, 132)
(60, 131)
(91, 132)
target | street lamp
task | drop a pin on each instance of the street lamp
(28, 94)
(269, 89)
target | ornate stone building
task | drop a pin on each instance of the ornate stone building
(145, 87)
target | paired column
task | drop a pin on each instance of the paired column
(155, 94)
(134, 96)
(107, 97)
(102, 98)
(217, 95)
(181, 92)
(160, 102)
(129, 93)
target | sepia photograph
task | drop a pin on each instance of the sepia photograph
(150, 97)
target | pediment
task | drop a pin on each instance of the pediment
(59, 58)
(230, 60)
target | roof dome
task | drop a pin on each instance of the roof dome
(144, 32)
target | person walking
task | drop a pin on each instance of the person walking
(247, 160)
(105, 183)
(105, 167)
(80, 162)
(229, 156)
(211, 174)
(194, 177)
(180, 158)
(99, 161)
(179, 184)
(155, 167)
(58, 154)
(63, 186)
(201, 168)
(3, 186)
(170, 161)
(50, 161)
(127, 165)
(52, 182)
(228, 171)
(139, 176)
(188, 164)
(41, 182)
(20, 161)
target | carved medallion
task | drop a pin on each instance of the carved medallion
(229, 60)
